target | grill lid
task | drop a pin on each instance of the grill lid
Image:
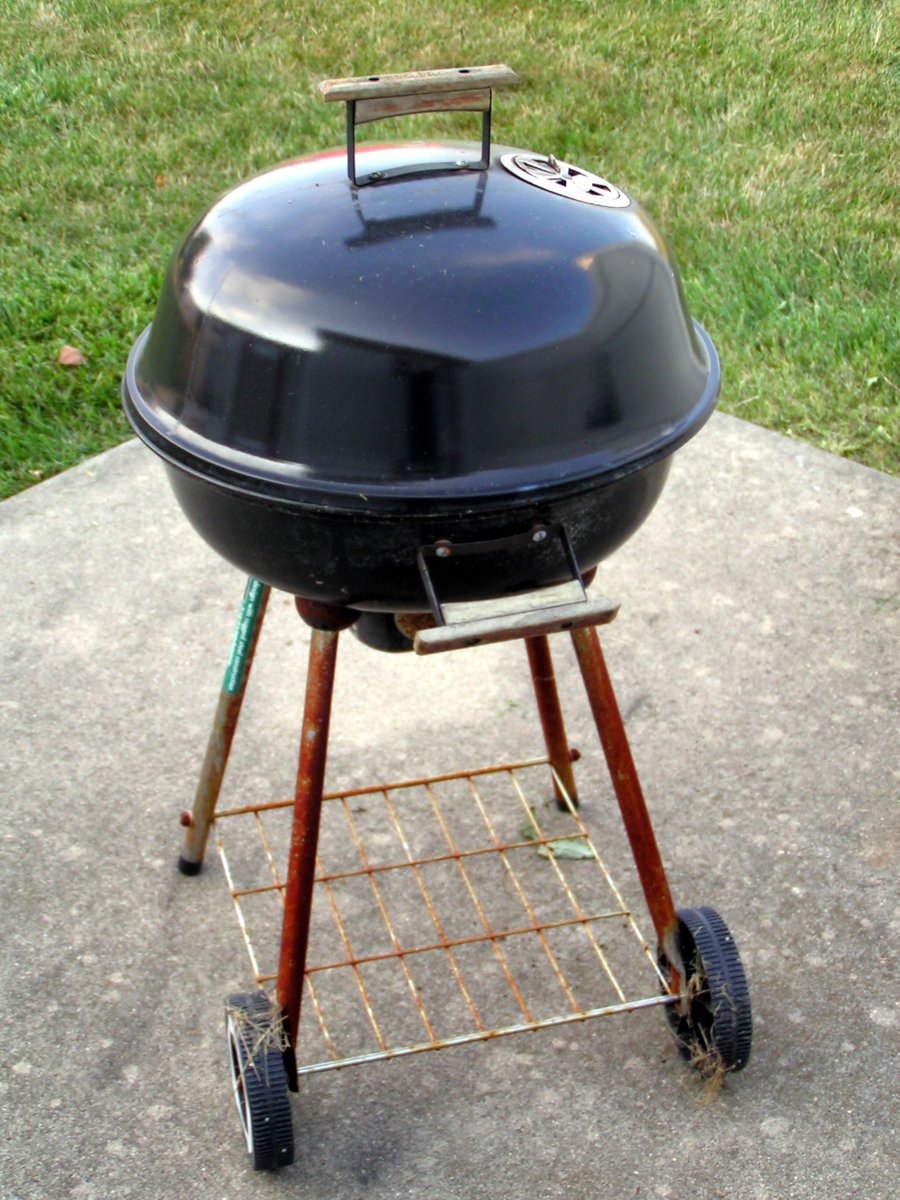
(434, 333)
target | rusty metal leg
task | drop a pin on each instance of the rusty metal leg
(197, 822)
(305, 829)
(627, 786)
(561, 757)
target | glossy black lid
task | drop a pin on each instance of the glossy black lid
(435, 337)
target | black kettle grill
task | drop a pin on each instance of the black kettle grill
(425, 388)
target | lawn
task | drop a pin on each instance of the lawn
(761, 134)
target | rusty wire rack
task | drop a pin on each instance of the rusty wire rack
(486, 899)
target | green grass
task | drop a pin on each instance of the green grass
(760, 133)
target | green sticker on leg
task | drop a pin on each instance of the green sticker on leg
(243, 636)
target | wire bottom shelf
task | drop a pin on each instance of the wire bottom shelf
(446, 910)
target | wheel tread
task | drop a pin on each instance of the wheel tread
(264, 1082)
(725, 1023)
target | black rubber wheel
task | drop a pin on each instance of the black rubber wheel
(259, 1079)
(714, 1028)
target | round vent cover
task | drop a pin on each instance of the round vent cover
(554, 175)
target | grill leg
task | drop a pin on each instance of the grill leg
(305, 830)
(198, 821)
(627, 786)
(561, 757)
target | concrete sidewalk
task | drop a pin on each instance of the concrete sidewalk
(756, 659)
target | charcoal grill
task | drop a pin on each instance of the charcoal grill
(426, 388)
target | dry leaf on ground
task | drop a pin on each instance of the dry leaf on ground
(69, 356)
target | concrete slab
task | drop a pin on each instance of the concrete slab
(756, 660)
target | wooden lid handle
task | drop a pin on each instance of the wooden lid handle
(456, 89)
(415, 83)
